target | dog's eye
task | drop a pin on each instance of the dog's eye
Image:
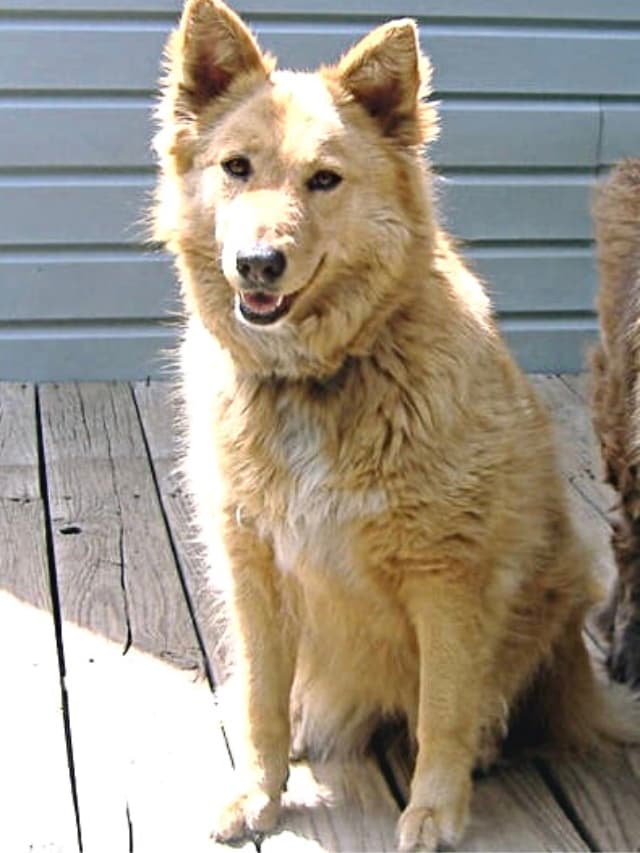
(324, 180)
(237, 167)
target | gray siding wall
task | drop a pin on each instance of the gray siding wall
(538, 97)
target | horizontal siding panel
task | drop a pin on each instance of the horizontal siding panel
(28, 355)
(516, 208)
(82, 60)
(519, 280)
(517, 134)
(116, 136)
(111, 354)
(87, 287)
(620, 130)
(106, 213)
(99, 58)
(556, 347)
(586, 10)
(62, 213)
(537, 280)
(75, 136)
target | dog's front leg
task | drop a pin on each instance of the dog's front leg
(263, 652)
(453, 652)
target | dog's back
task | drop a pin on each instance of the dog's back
(616, 397)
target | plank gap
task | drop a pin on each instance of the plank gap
(57, 615)
(208, 670)
(564, 803)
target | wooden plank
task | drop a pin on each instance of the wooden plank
(109, 211)
(620, 131)
(336, 805)
(113, 134)
(346, 804)
(604, 793)
(149, 756)
(511, 810)
(513, 61)
(158, 406)
(580, 384)
(35, 778)
(578, 465)
(580, 455)
(88, 285)
(548, 10)
(68, 352)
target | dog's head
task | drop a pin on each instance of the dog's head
(291, 198)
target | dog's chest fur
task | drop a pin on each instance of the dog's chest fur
(314, 508)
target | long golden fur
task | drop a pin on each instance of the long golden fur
(616, 401)
(374, 478)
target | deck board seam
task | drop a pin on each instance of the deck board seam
(57, 615)
(557, 791)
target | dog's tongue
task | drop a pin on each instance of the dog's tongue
(261, 302)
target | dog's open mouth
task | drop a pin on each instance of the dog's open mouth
(263, 308)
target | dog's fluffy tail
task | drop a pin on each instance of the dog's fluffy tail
(569, 709)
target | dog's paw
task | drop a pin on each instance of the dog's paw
(246, 814)
(427, 826)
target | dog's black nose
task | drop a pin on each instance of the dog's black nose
(260, 264)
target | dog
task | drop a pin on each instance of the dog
(374, 478)
(616, 402)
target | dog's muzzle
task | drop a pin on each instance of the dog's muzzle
(259, 301)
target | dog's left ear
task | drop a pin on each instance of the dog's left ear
(387, 74)
(213, 48)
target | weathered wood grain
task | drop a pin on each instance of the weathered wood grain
(588, 497)
(35, 789)
(149, 753)
(339, 806)
(512, 809)
(158, 406)
(579, 453)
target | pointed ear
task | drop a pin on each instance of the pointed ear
(211, 49)
(387, 74)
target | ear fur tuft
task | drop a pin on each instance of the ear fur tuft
(387, 74)
(211, 49)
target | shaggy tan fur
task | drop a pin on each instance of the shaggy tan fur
(616, 401)
(374, 478)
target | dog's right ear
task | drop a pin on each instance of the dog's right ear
(210, 50)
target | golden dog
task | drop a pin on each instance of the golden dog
(616, 399)
(374, 478)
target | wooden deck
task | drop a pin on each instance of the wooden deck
(110, 739)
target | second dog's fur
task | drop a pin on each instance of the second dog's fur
(374, 477)
(616, 398)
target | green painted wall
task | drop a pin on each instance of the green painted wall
(537, 99)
